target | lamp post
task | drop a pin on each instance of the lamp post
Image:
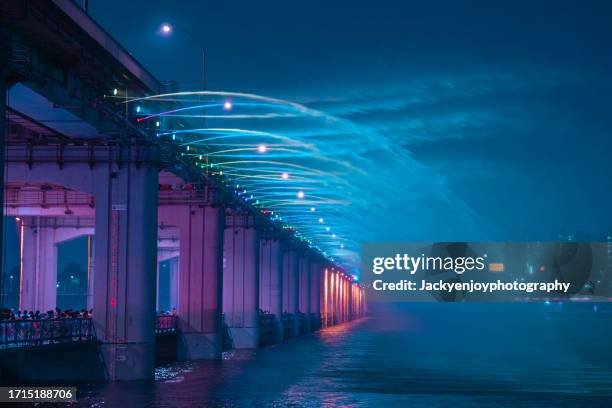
(167, 29)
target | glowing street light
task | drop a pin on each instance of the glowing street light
(300, 194)
(262, 148)
(321, 220)
(227, 105)
(285, 176)
(166, 29)
(312, 209)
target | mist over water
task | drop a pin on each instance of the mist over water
(412, 354)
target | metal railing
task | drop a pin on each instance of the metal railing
(166, 324)
(36, 333)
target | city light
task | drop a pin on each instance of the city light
(285, 176)
(321, 220)
(300, 194)
(312, 209)
(166, 29)
(227, 105)
(262, 148)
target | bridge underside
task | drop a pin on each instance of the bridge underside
(230, 273)
(77, 167)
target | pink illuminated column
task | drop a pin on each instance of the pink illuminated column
(271, 280)
(361, 302)
(125, 267)
(291, 288)
(325, 299)
(342, 298)
(345, 293)
(241, 280)
(352, 312)
(315, 294)
(336, 297)
(38, 266)
(304, 287)
(332, 297)
(199, 277)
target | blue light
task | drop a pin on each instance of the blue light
(290, 173)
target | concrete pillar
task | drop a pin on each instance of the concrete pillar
(271, 280)
(125, 265)
(336, 296)
(304, 288)
(352, 311)
(241, 281)
(325, 309)
(345, 293)
(90, 271)
(358, 305)
(157, 285)
(342, 299)
(3, 91)
(358, 301)
(315, 293)
(174, 286)
(39, 267)
(200, 270)
(291, 289)
(329, 295)
(337, 303)
(364, 304)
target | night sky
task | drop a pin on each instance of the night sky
(476, 120)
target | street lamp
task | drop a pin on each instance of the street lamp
(167, 30)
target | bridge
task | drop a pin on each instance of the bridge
(79, 165)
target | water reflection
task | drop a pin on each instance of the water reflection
(422, 355)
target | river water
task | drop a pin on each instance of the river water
(413, 354)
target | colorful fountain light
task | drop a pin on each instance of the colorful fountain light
(263, 147)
